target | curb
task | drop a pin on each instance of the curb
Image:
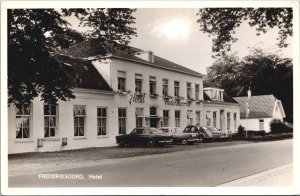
(262, 178)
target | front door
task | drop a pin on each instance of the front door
(154, 122)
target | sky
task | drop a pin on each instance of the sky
(174, 34)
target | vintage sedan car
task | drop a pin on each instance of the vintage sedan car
(211, 133)
(144, 136)
(179, 136)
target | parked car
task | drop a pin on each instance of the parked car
(179, 136)
(144, 136)
(211, 133)
(195, 130)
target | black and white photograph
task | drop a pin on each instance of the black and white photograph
(161, 97)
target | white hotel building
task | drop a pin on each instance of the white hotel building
(115, 95)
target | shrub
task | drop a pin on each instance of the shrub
(277, 127)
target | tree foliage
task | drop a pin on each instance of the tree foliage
(265, 73)
(34, 35)
(222, 22)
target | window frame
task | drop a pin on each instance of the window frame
(166, 118)
(138, 81)
(177, 118)
(165, 86)
(122, 78)
(152, 81)
(102, 118)
(228, 120)
(56, 116)
(176, 88)
(27, 116)
(120, 118)
(189, 90)
(139, 120)
(197, 92)
(78, 117)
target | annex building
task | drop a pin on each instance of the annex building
(115, 95)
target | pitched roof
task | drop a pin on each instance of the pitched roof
(90, 48)
(85, 73)
(260, 106)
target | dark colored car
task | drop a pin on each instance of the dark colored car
(144, 136)
(179, 136)
(195, 131)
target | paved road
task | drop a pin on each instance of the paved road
(197, 168)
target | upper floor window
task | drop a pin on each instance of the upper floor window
(152, 85)
(176, 88)
(138, 83)
(23, 117)
(101, 121)
(188, 90)
(121, 80)
(165, 87)
(79, 120)
(197, 89)
(50, 120)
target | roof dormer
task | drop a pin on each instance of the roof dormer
(215, 94)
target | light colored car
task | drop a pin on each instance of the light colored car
(179, 136)
(213, 132)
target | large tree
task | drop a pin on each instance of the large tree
(220, 23)
(35, 35)
(265, 73)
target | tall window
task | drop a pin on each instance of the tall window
(121, 80)
(177, 118)
(228, 120)
(152, 85)
(165, 87)
(190, 117)
(79, 120)
(188, 90)
(197, 91)
(138, 83)
(50, 119)
(208, 118)
(215, 119)
(23, 115)
(235, 122)
(139, 112)
(198, 117)
(101, 121)
(176, 88)
(122, 120)
(166, 118)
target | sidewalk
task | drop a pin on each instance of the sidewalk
(281, 176)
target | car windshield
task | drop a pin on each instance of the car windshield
(187, 130)
(177, 130)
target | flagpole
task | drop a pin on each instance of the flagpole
(247, 108)
(246, 115)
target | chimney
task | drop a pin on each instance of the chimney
(150, 56)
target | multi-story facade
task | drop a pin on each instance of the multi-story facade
(114, 96)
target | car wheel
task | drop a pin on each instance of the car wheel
(151, 143)
(121, 144)
(184, 141)
(201, 139)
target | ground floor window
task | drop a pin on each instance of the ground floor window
(101, 121)
(122, 115)
(228, 120)
(261, 124)
(139, 113)
(166, 118)
(177, 118)
(50, 120)
(79, 120)
(198, 117)
(215, 119)
(23, 116)
(190, 117)
(208, 118)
